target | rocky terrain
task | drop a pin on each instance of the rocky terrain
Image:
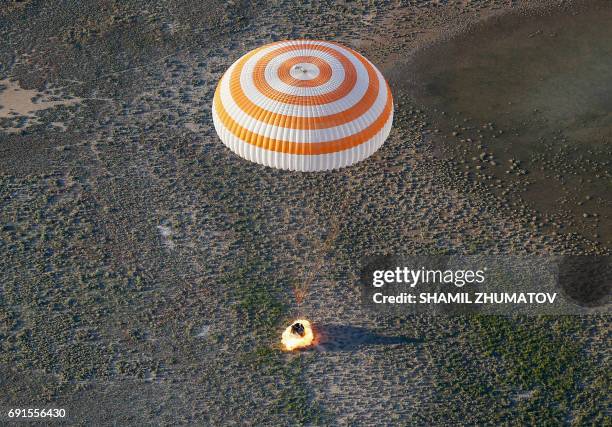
(147, 272)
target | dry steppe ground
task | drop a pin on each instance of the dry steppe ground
(147, 272)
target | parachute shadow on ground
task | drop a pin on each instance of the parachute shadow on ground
(336, 337)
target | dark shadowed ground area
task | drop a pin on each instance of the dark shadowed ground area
(525, 104)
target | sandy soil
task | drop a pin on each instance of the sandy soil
(18, 102)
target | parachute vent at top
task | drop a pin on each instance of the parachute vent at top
(303, 105)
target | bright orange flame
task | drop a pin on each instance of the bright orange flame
(293, 341)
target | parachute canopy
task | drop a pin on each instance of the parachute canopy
(303, 105)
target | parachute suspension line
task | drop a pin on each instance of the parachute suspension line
(324, 247)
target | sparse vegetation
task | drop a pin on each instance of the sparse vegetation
(294, 400)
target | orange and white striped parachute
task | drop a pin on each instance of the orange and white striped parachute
(303, 105)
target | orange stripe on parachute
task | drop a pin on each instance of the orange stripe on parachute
(303, 148)
(302, 123)
(259, 78)
(284, 72)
